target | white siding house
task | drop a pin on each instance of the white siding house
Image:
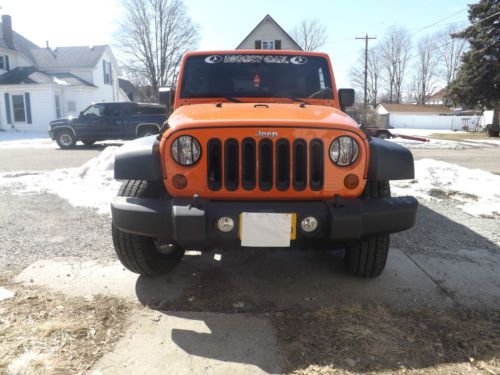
(268, 34)
(38, 85)
(414, 116)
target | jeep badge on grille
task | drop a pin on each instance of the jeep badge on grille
(262, 133)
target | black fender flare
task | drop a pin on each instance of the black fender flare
(63, 127)
(139, 160)
(389, 161)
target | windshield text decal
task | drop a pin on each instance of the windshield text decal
(255, 59)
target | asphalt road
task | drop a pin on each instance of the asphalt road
(487, 158)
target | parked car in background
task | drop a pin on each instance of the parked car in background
(105, 121)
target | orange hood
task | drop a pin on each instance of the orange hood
(274, 114)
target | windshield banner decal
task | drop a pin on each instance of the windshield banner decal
(255, 59)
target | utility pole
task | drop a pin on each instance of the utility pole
(366, 38)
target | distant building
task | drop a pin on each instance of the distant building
(38, 85)
(424, 117)
(268, 34)
(439, 98)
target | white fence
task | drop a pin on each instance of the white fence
(433, 122)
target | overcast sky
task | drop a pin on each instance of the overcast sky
(224, 23)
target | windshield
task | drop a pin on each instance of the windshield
(256, 76)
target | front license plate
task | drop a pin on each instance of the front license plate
(259, 229)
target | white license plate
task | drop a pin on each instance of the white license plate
(266, 229)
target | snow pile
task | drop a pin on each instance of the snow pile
(91, 185)
(477, 191)
(26, 140)
(5, 294)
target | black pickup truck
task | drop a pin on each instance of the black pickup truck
(104, 121)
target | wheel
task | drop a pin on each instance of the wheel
(367, 258)
(140, 254)
(383, 136)
(88, 142)
(146, 131)
(65, 138)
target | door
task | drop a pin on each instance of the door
(91, 124)
(114, 128)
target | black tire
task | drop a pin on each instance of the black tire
(367, 258)
(383, 136)
(140, 254)
(88, 142)
(65, 139)
(146, 131)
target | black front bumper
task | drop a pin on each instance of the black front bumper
(192, 223)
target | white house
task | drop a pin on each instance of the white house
(268, 34)
(38, 85)
(439, 98)
(414, 116)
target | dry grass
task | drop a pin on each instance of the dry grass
(47, 333)
(460, 136)
(376, 339)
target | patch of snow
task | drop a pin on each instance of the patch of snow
(439, 144)
(13, 139)
(6, 294)
(476, 191)
(493, 142)
(91, 185)
(421, 132)
(60, 81)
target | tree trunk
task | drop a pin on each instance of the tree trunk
(495, 127)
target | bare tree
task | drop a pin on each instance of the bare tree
(395, 52)
(450, 51)
(373, 76)
(153, 35)
(310, 35)
(425, 69)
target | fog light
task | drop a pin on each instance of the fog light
(309, 224)
(351, 181)
(225, 224)
(179, 181)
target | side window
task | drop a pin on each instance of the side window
(113, 110)
(94, 110)
(130, 109)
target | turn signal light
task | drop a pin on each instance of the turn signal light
(179, 181)
(351, 181)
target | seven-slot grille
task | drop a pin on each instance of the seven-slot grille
(264, 164)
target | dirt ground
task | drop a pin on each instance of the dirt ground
(42, 332)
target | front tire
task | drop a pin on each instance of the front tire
(65, 139)
(141, 254)
(368, 257)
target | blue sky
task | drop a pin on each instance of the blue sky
(224, 23)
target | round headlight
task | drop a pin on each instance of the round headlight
(344, 151)
(186, 150)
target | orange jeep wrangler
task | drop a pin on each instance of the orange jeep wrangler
(258, 153)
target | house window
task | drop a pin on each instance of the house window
(106, 67)
(58, 107)
(18, 108)
(268, 44)
(2, 63)
(71, 106)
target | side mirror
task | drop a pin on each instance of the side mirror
(81, 114)
(166, 97)
(346, 98)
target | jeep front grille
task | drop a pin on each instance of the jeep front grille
(265, 165)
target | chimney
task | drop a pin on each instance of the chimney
(7, 31)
